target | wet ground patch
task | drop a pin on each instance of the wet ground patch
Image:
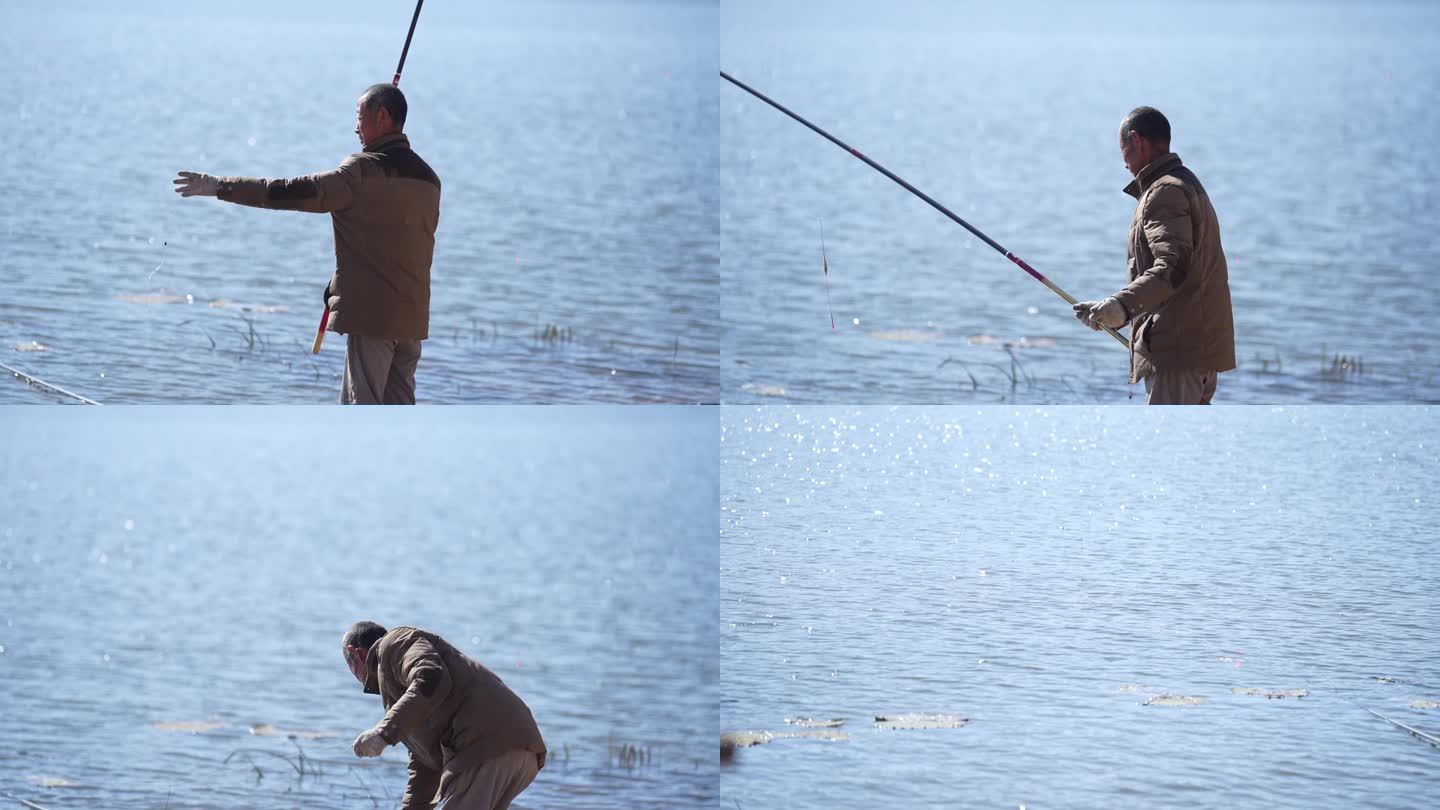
(1272, 694)
(920, 721)
(827, 729)
(1174, 700)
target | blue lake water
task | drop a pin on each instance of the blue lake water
(575, 142)
(1310, 124)
(1046, 573)
(174, 584)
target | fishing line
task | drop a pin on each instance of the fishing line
(825, 263)
(1069, 299)
(160, 265)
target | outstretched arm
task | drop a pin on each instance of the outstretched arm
(316, 193)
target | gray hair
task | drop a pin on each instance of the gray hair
(362, 635)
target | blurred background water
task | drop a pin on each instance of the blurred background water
(1046, 572)
(169, 582)
(575, 142)
(1310, 124)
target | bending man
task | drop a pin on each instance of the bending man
(1182, 331)
(385, 204)
(473, 743)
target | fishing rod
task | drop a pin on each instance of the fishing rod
(1069, 299)
(39, 383)
(404, 52)
(1335, 692)
(29, 804)
(1430, 738)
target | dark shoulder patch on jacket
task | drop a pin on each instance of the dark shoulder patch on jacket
(428, 679)
(401, 161)
(300, 188)
(1188, 177)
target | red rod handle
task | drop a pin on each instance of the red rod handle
(320, 333)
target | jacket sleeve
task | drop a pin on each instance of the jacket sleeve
(316, 193)
(421, 787)
(427, 684)
(1168, 228)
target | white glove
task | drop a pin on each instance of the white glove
(369, 744)
(1100, 314)
(196, 184)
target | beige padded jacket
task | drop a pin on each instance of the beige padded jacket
(1178, 298)
(451, 712)
(385, 205)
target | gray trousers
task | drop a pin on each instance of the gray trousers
(492, 785)
(1180, 387)
(379, 371)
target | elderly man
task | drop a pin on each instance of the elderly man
(473, 743)
(385, 204)
(1177, 303)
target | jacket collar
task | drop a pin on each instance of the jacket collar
(1158, 168)
(372, 664)
(379, 144)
